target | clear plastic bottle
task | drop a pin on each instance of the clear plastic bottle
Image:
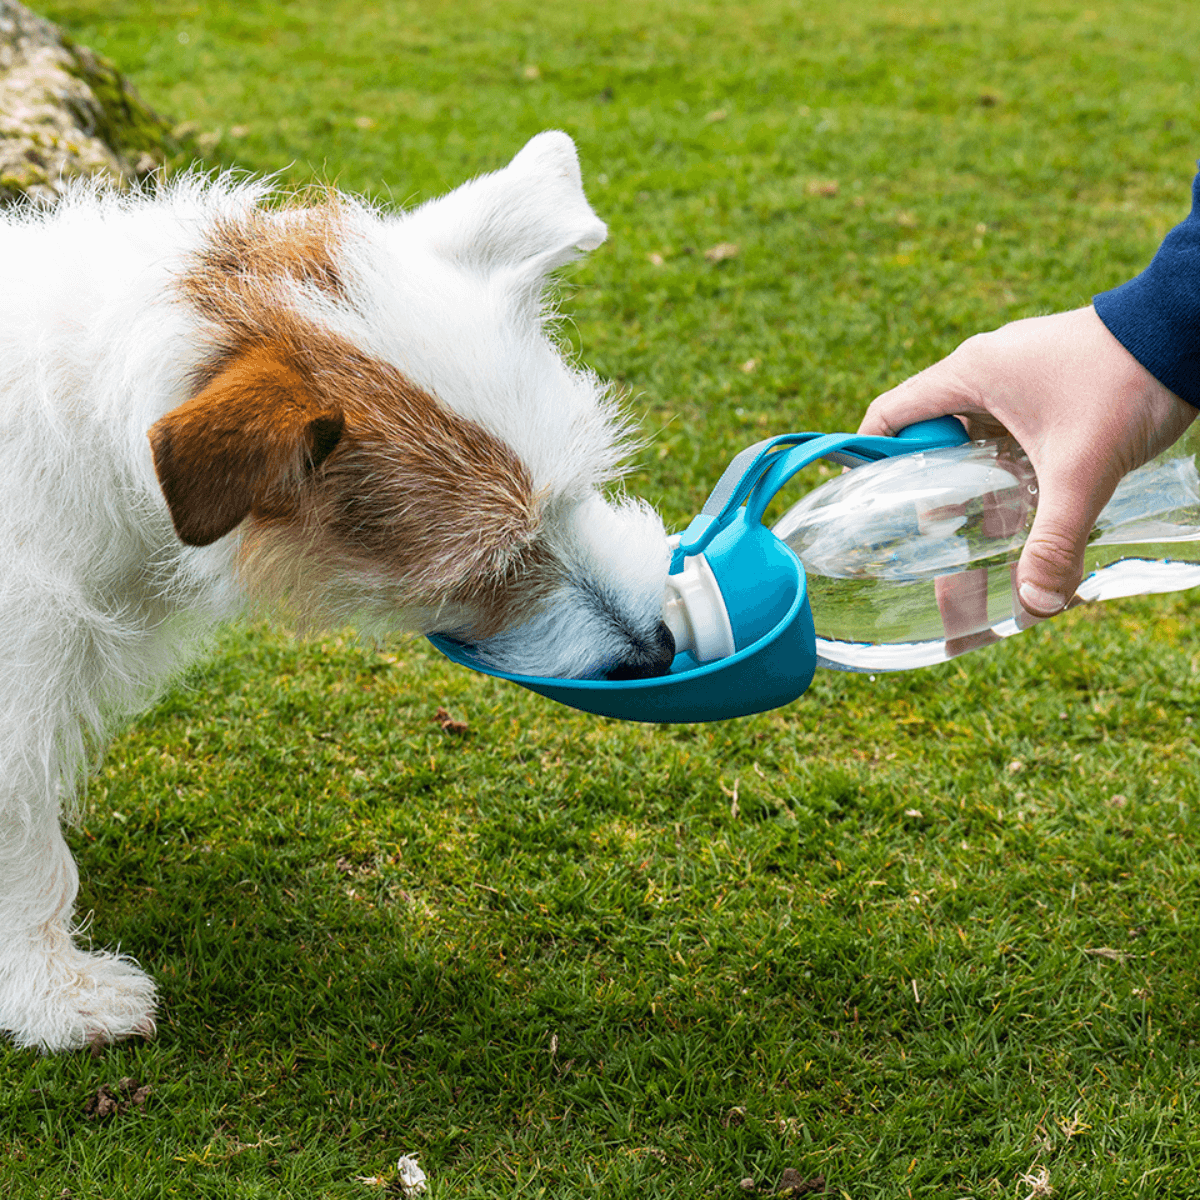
(912, 560)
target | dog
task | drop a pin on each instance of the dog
(212, 400)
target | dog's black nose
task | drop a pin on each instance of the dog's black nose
(649, 659)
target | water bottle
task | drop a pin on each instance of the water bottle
(912, 560)
(735, 597)
(907, 560)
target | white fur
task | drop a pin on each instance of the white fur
(576, 626)
(100, 602)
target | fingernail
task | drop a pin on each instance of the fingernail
(1039, 601)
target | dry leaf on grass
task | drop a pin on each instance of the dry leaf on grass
(721, 251)
(792, 1183)
(411, 1177)
(1039, 1181)
(109, 1102)
(1106, 952)
(346, 866)
(448, 723)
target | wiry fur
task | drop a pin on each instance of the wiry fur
(206, 403)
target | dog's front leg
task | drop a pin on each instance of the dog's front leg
(54, 995)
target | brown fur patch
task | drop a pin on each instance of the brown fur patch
(240, 444)
(433, 501)
(261, 248)
(436, 511)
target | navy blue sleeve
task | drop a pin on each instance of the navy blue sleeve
(1156, 316)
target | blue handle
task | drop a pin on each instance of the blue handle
(759, 471)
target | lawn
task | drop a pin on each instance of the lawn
(922, 935)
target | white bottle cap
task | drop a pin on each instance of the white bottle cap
(695, 611)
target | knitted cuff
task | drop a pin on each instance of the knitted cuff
(1156, 315)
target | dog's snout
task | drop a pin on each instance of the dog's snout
(650, 659)
(664, 648)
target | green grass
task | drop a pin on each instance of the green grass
(925, 935)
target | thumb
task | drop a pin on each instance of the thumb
(1051, 563)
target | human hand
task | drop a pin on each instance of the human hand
(1084, 410)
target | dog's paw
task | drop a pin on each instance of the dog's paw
(70, 998)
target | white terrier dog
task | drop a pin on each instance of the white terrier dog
(206, 404)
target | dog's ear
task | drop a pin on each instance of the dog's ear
(255, 428)
(530, 217)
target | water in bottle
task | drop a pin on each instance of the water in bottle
(912, 560)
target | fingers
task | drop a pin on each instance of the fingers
(943, 389)
(1082, 407)
(1051, 564)
(1049, 571)
(916, 399)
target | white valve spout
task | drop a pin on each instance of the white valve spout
(694, 611)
